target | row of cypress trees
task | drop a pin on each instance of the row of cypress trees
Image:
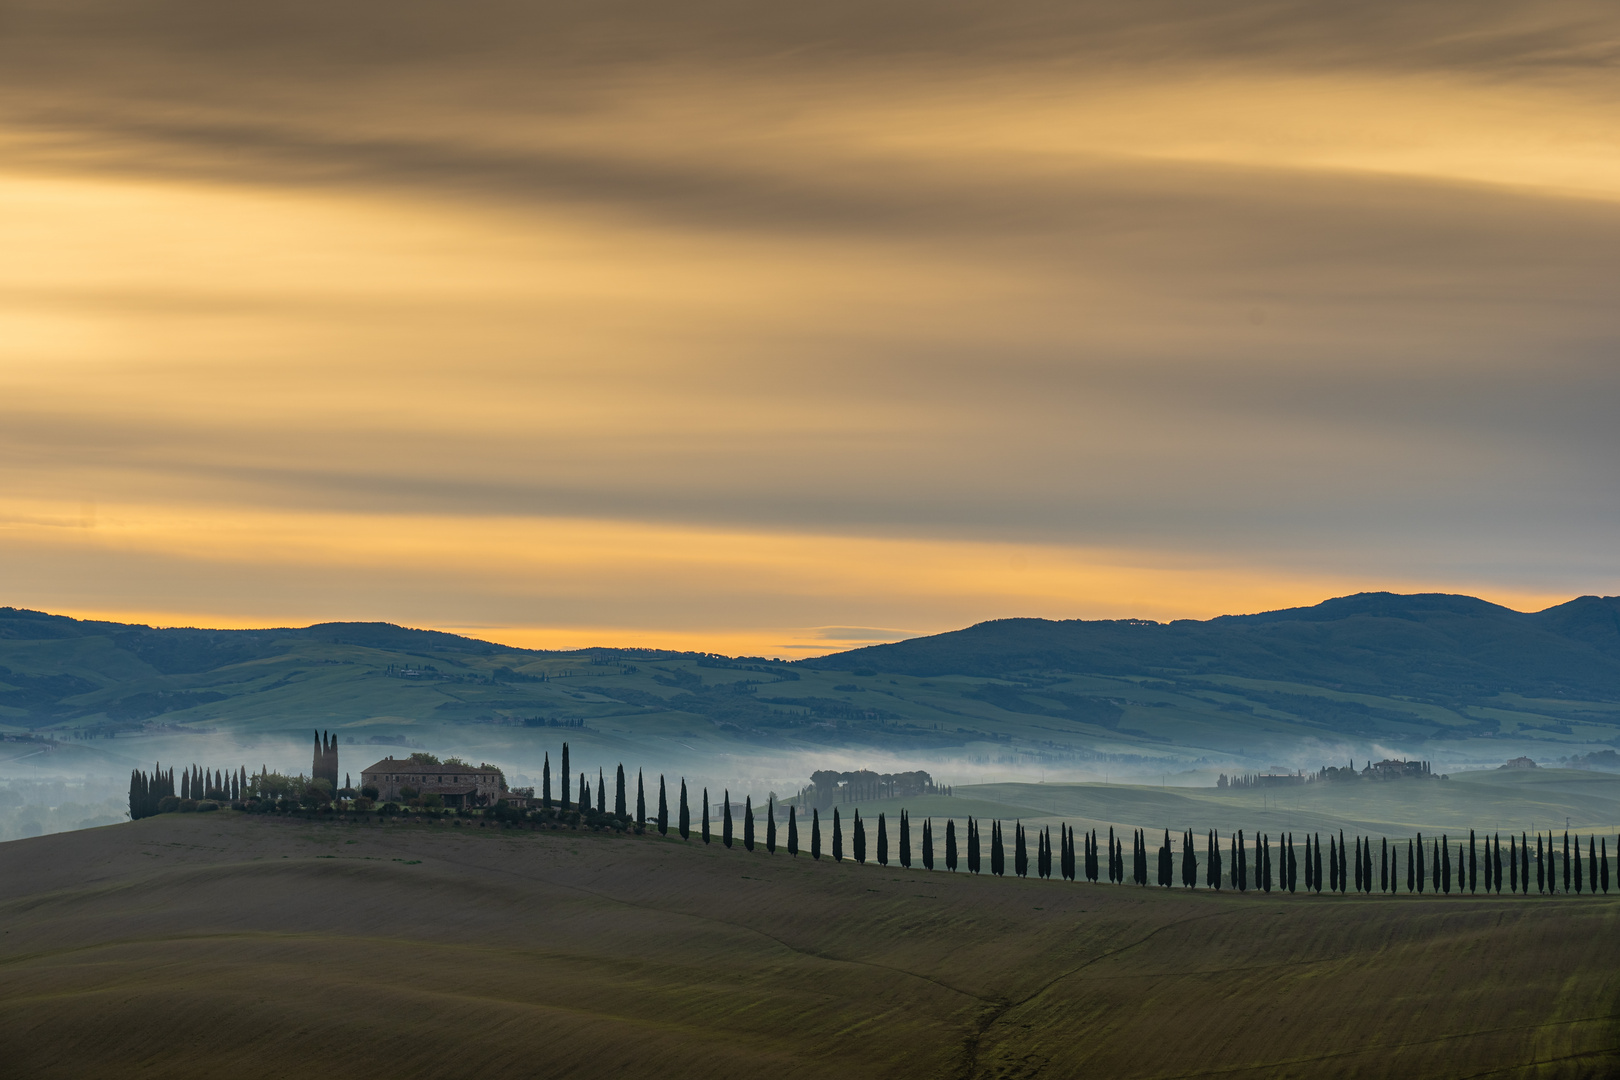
(147, 790)
(1272, 865)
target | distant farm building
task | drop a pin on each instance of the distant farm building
(460, 786)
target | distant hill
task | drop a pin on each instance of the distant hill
(1430, 646)
(1447, 678)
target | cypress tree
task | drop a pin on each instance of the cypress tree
(1496, 865)
(1212, 862)
(185, 784)
(1579, 877)
(1020, 853)
(770, 825)
(815, 833)
(1411, 876)
(1383, 866)
(1513, 865)
(1490, 861)
(1333, 865)
(706, 813)
(545, 782)
(1434, 871)
(1603, 871)
(1591, 863)
(860, 838)
(883, 841)
(1310, 866)
(928, 843)
(1316, 865)
(905, 840)
(974, 857)
(1065, 867)
(725, 818)
(748, 822)
(601, 792)
(1043, 852)
(1264, 843)
(1111, 879)
(1541, 869)
(1096, 870)
(998, 854)
(1421, 876)
(950, 844)
(1293, 866)
(584, 794)
(1344, 878)
(686, 813)
(1524, 863)
(566, 776)
(1472, 866)
(663, 806)
(620, 809)
(793, 831)
(1165, 862)
(1358, 864)
(641, 799)
(1566, 860)
(838, 837)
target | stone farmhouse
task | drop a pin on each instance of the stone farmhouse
(460, 786)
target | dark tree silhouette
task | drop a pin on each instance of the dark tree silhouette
(950, 844)
(545, 782)
(725, 818)
(686, 813)
(815, 833)
(793, 831)
(928, 843)
(706, 813)
(882, 841)
(1541, 869)
(1020, 853)
(641, 799)
(1566, 860)
(838, 837)
(974, 856)
(1524, 863)
(565, 776)
(601, 791)
(620, 806)
(860, 838)
(998, 854)
(663, 806)
(584, 794)
(748, 823)
(1513, 864)
(770, 825)
(905, 839)
(1212, 866)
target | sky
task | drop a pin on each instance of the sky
(771, 330)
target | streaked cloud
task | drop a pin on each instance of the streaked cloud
(1203, 309)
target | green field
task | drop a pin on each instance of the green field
(215, 944)
(1509, 801)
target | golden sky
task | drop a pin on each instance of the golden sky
(736, 327)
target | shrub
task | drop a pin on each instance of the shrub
(168, 804)
(408, 793)
(206, 805)
(433, 799)
(188, 806)
(369, 792)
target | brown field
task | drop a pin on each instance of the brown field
(217, 945)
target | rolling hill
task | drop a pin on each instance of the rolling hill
(1441, 677)
(216, 944)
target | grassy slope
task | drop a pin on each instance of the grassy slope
(215, 945)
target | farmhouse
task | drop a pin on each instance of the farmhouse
(460, 786)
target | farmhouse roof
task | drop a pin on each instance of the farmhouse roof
(392, 765)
